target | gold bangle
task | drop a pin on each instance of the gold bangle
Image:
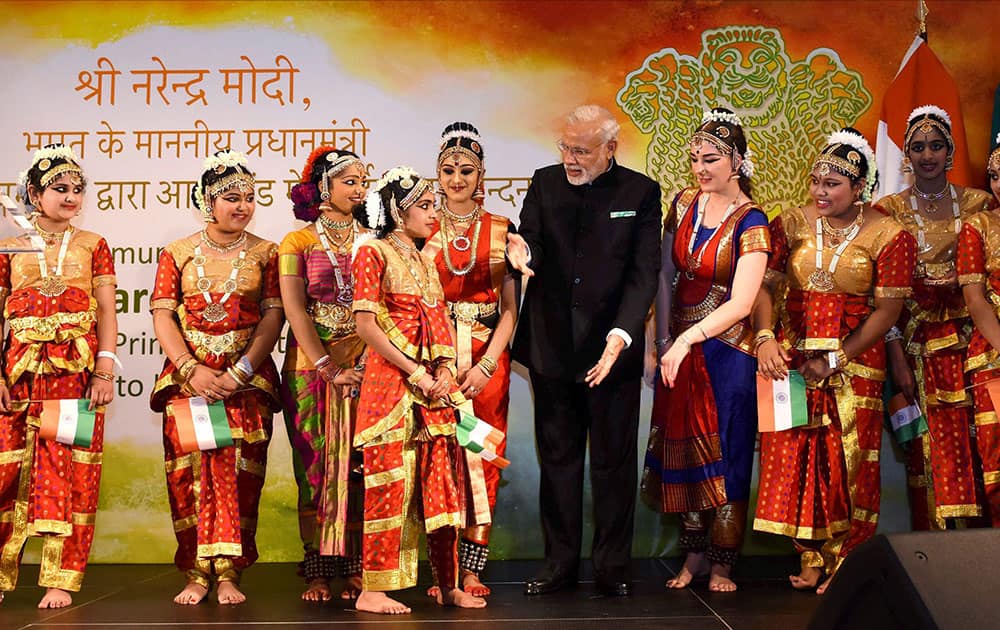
(416, 375)
(842, 359)
(488, 365)
(238, 376)
(704, 336)
(104, 376)
(177, 362)
(185, 370)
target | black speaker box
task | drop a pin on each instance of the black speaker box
(915, 581)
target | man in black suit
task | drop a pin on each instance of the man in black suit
(589, 239)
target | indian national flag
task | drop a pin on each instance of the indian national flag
(480, 437)
(68, 421)
(921, 80)
(201, 426)
(906, 418)
(781, 405)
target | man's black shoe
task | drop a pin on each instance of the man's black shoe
(551, 579)
(610, 588)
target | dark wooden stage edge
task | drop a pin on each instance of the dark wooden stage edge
(139, 596)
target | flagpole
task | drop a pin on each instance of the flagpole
(922, 12)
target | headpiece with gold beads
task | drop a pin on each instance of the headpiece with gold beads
(223, 171)
(848, 153)
(314, 187)
(462, 139)
(47, 165)
(993, 163)
(925, 119)
(723, 129)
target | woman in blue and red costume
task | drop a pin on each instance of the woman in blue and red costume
(978, 268)
(927, 347)
(414, 475)
(323, 366)
(468, 250)
(704, 422)
(217, 314)
(59, 305)
(848, 269)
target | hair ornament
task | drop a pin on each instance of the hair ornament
(225, 159)
(929, 110)
(857, 142)
(993, 163)
(747, 166)
(723, 117)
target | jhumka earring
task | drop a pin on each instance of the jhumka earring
(906, 167)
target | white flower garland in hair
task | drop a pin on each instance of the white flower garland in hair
(934, 110)
(725, 117)
(373, 202)
(747, 166)
(460, 133)
(225, 159)
(52, 153)
(996, 141)
(858, 142)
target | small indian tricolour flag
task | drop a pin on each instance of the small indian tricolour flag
(906, 418)
(201, 426)
(781, 405)
(480, 437)
(68, 421)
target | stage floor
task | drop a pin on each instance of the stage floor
(139, 596)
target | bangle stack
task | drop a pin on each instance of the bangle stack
(241, 371)
(187, 368)
(104, 376)
(488, 365)
(762, 336)
(416, 375)
(894, 334)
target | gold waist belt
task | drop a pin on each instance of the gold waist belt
(31, 328)
(471, 312)
(934, 270)
(336, 317)
(228, 343)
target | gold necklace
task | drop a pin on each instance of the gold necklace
(335, 225)
(840, 234)
(223, 248)
(407, 253)
(51, 238)
(460, 241)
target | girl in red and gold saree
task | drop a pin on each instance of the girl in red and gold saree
(847, 269)
(704, 422)
(414, 479)
(468, 250)
(217, 314)
(926, 349)
(323, 368)
(59, 305)
(978, 270)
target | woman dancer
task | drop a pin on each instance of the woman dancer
(413, 479)
(847, 268)
(59, 305)
(217, 314)
(468, 250)
(323, 367)
(704, 422)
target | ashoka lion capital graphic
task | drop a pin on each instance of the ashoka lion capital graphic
(788, 107)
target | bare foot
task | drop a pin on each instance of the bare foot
(433, 591)
(806, 580)
(318, 590)
(378, 602)
(825, 585)
(192, 594)
(353, 587)
(472, 585)
(55, 598)
(695, 565)
(229, 593)
(719, 581)
(461, 599)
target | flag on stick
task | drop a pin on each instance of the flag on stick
(921, 80)
(68, 421)
(201, 426)
(906, 418)
(480, 437)
(781, 405)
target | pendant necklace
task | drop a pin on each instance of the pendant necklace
(54, 285)
(694, 262)
(922, 245)
(407, 253)
(216, 311)
(345, 289)
(460, 242)
(822, 279)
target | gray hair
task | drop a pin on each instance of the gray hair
(609, 127)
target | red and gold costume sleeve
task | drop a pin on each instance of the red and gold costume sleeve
(270, 287)
(895, 265)
(970, 260)
(291, 261)
(167, 289)
(777, 264)
(367, 270)
(103, 265)
(4, 278)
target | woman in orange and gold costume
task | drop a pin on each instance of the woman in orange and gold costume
(468, 250)
(59, 305)
(927, 348)
(414, 479)
(323, 367)
(217, 314)
(848, 269)
(978, 270)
